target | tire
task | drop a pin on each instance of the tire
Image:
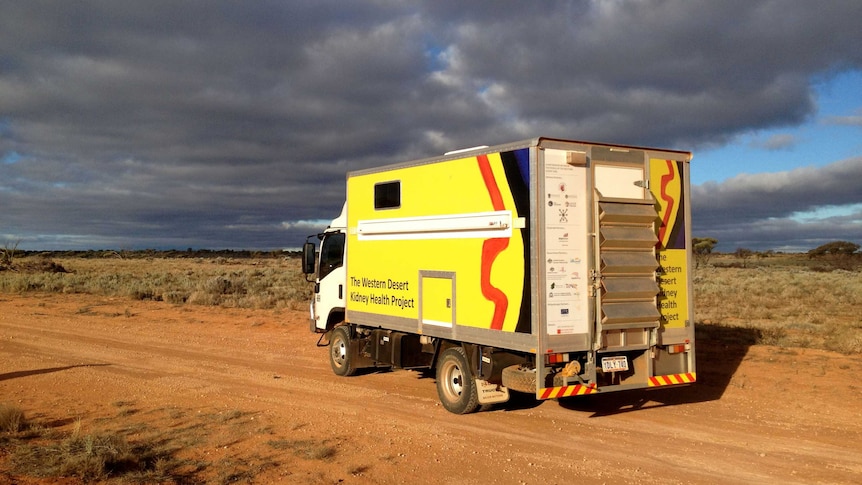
(339, 352)
(455, 385)
(519, 380)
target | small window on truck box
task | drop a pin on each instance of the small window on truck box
(387, 195)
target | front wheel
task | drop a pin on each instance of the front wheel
(339, 352)
(455, 385)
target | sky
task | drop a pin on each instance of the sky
(219, 124)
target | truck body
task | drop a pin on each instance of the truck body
(552, 267)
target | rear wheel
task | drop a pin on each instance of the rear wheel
(339, 352)
(455, 385)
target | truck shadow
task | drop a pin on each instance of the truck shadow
(719, 353)
(35, 372)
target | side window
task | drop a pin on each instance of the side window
(387, 195)
(331, 253)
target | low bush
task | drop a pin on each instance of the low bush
(11, 419)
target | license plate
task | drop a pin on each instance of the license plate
(615, 364)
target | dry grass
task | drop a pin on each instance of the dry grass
(49, 453)
(89, 457)
(241, 283)
(11, 419)
(788, 305)
(165, 445)
(308, 449)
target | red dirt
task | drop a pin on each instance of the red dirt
(246, 395)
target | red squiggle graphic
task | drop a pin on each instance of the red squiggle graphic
(668, 209)
(491, 248)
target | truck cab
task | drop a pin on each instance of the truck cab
(327, 269)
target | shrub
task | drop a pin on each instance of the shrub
(11, 419)
(836, 248)
(42, 265)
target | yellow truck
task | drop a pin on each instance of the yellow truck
(551, 267)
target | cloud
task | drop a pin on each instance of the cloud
(315, 226)
(780, 141)
(851, 120)
(768, 211)
(209, 123)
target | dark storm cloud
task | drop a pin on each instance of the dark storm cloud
(232, 124)
(769, 210)
(656, 72)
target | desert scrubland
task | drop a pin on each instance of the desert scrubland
(142, 368)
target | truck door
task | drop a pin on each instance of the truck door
(627, 316)
(329, 290)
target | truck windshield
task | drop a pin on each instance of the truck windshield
(331, 253)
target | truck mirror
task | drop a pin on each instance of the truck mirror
(308, 258)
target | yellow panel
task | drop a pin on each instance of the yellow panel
(673, 288)
(673, 276)
(392, 266)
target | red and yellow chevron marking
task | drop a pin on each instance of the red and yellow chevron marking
(566, 391)
(673, 379)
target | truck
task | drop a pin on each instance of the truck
(551, 267)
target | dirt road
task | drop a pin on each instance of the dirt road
(247, 396)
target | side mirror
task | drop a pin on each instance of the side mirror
(308, 258)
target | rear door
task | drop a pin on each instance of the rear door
(627, 316)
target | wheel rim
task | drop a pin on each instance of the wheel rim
(339, 352)
(453, 380)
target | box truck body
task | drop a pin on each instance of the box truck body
(548, 266)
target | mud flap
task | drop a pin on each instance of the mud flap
(489, 393)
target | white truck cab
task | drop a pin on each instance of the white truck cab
(327, 305)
